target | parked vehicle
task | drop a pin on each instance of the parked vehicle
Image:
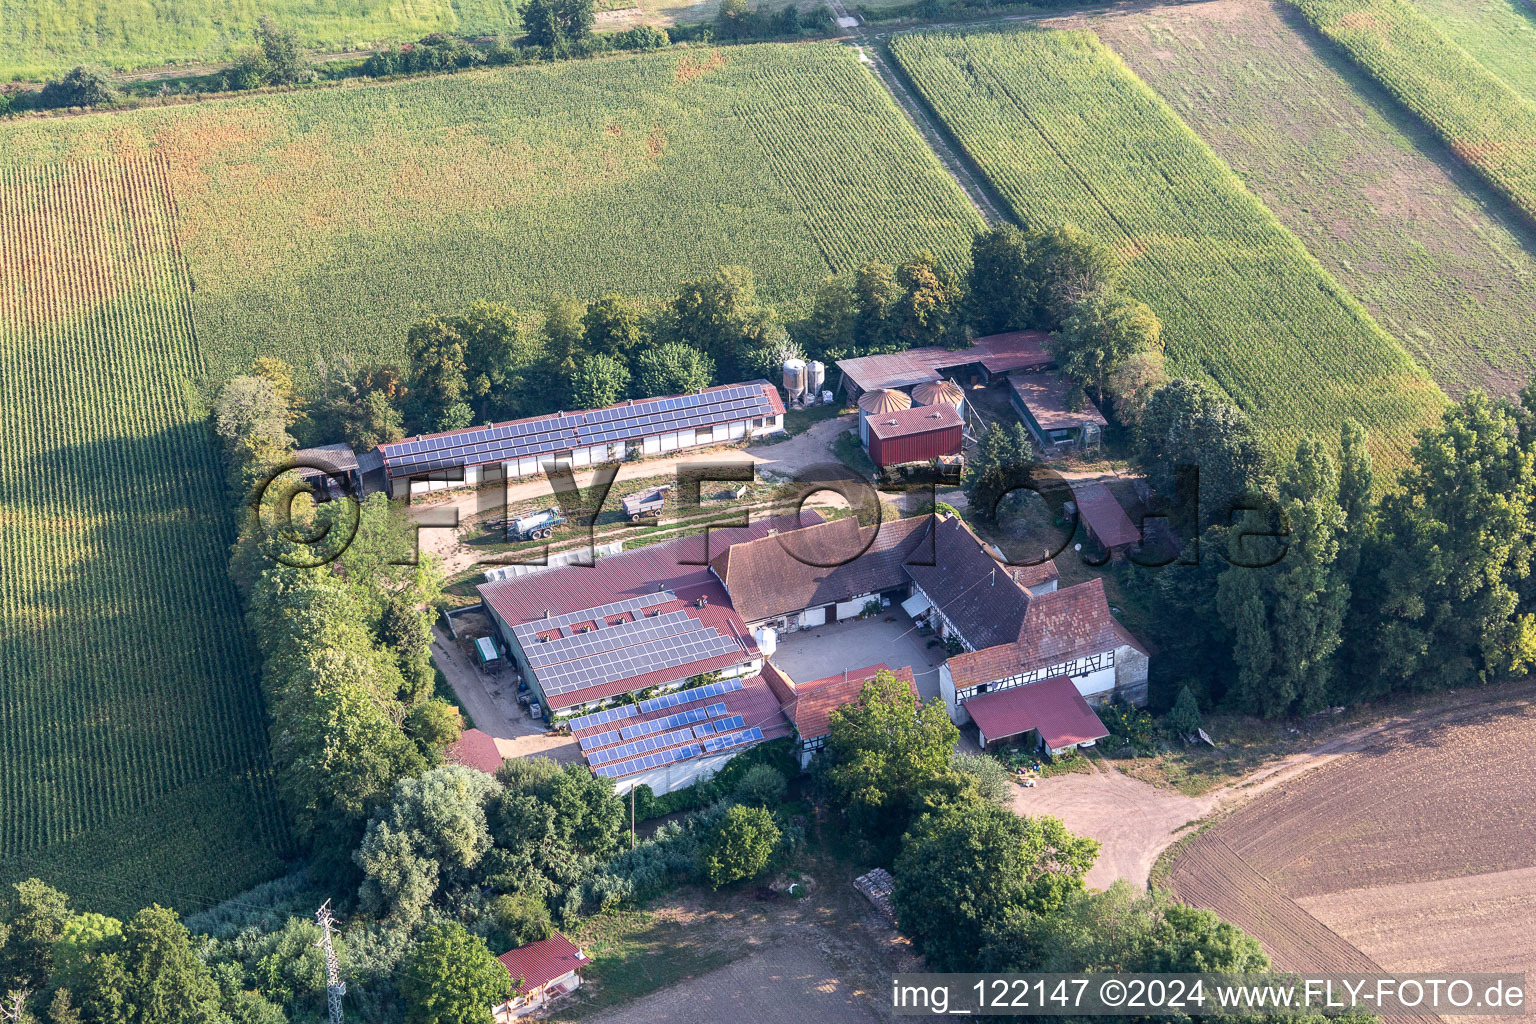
(646, 504)
(538, 526)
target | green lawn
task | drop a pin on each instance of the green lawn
(1069, 135)
(1426, 245)
(42, 37)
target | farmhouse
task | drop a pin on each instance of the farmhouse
(990, 357)
(809, 706)
(634, 429)
(1067, 633)
(542, 971)
(1043, 402)
(810, 577)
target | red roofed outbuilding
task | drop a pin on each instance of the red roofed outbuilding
(542, 971)
(1051, 713)
(809, 706)
(475, 749)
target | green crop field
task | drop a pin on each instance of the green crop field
(1483, 120)
(1437, 256)
(318, 224)
(1500, 34)
(42, 37)
(146, 255)
(131, 729)
(1069, 135)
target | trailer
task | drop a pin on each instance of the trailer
(646, 504)
(538, 526)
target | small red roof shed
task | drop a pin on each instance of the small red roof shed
(918, 434)
(475, 749)
(540, 963)
(1053, 707)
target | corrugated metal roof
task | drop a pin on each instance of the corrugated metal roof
(1103, 515)
(875, 402)
(920, 419)
(1053, 706)
(540, 963)
(1045, 396)
(935, 392)
(998, 353)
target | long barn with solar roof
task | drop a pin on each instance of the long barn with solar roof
(634, 429)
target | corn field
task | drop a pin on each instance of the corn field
(320, 224)
(1486, 124)
(131, 731)
(1069, 135)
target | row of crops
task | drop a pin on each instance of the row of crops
(1069, 135)
(1484, 121)
(319, 224)
(125, 684)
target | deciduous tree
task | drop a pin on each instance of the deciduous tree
(450, 977)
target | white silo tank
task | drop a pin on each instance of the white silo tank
(816, 375)
(794, 378)
(767, 641)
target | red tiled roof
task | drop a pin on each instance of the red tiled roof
(998, 353)
(1045, 396)
(795, 571)
(540, 963)
(1102, 514)
(813, 703)
(677, 565)
(1032, 576)
(920, 419)
(1053, 706)
(475, 749)
(1056, 627)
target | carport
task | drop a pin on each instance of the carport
(1052, 710)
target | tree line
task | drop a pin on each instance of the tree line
(491, 363)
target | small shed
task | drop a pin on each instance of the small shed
(919, 434)
(332, 469)
(475, 749)
(543, 971)
(1051, 713)
(1041, 400)
(1104, 518)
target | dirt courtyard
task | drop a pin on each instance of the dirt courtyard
(789, 981)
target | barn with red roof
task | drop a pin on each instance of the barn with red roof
(542, 971)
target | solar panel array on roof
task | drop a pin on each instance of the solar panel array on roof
(734, 739)
(688, 717)
(676, 697)
(640, 746)
(550, 435)
(645, 707)
(723, 725)
(656, 760)
(634, 605)
(604, 717)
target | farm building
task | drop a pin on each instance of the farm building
(1043, 402)
(634, 429)
(879, 404)
(811, 577)
(1104, 518)
(670, 741)
(989, 357)
(809, 706)
(916, 435)
(1049, 715)
(1067, 633)
(335, 469)
(542, 971)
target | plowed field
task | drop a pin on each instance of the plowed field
(1415, 854)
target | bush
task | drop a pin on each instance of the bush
(643, 37)
(82, 86)
(761, 785)
(741, 846)
(520, 919)
(1131, 725)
